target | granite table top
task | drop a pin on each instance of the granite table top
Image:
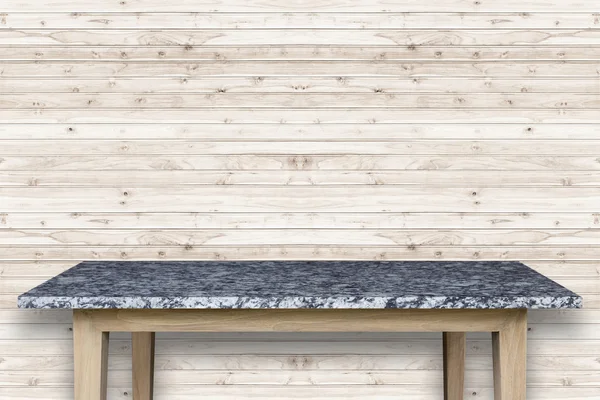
(299, 284)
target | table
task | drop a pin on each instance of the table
(299, 296)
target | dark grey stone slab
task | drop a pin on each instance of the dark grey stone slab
(300, 284)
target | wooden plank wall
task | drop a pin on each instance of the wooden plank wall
(322, 129)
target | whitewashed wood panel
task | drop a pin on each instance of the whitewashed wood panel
(317, 344)
(306, 161)
(474, 378)
(379, 392)
(314, 131)
(316, 363)
(315, 36)
(327, 237)
(298, 100)
(355, 147)
(336, 68)
(298, 84)
(302, 116)
(311, 199)
(144, 130)
(307, 20)
(220, 392)
(178, 177)
(276, 52)
(537, 332)
(298, 252)
(357, 6)
(313, 220)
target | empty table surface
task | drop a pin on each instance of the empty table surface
(300, 284)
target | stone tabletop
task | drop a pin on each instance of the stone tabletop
(299, 284)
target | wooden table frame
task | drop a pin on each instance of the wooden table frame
(91, 330)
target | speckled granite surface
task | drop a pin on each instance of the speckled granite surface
(300, 284)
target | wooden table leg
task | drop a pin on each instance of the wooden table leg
(509, 347)
(143, 365)
(454, 365)
(90, 351)
(509, 341)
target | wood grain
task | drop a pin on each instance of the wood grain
(540, 380)
(142, 348)
(298, 252)
(335, 68)
(307, 148)
(207, 52)
(510, 359)
(279, 20)
(313, 220)
(335, 130)
(298, 100)
(195, 177)
(91, 359)
(273, 161)
(223, 198)
(299, 320)
(288, 36)
(454, 347)
(282, 116)
(357, 6)
(290, 236)
(311, 131)
(301, 84)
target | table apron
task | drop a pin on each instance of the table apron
(299, 320)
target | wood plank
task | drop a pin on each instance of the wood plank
(454, 365)
(275, 220)
(292, 36)
(383, 68)
(164, 378)
(316, 52)
(558, 269)
(314, 148)
(169, 178)
(301, 84)
(243, 71)
(354, 6)
(311, 131)
(297, 320)
(90, 359)
(224, 198)
(142, 344)
(510, 359)
(317, 364)
(301, 116)
(543, 331)
(277, 20)
(201, 345)
(297, 100)
(33, 269)
(291, 236)
(514, 253)
(224, 392)
(553, 332)
(301, 161)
